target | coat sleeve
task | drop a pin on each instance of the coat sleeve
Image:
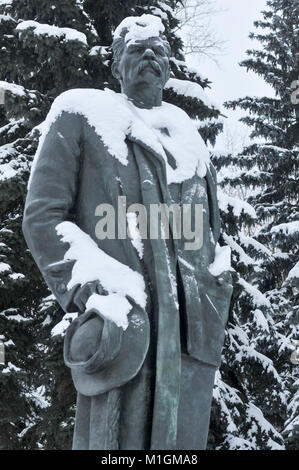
(50, 200)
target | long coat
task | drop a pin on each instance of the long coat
(75, 172)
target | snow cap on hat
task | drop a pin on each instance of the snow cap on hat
(139, 28)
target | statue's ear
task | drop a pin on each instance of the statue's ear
(115, 71)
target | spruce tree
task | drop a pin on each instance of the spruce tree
(249, 397)
(47, 48)
(267, 316)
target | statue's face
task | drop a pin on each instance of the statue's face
(143, 62)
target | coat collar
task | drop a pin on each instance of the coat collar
(184, 143)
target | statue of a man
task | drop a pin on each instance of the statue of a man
(152, 304)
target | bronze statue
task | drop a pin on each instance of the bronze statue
(146, 344)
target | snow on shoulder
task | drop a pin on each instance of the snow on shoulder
(140, 28)
(114, 118)
(103, 113)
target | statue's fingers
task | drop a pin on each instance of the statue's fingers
(89, 289)
(93, 288)
(78, 301)
(100, 289)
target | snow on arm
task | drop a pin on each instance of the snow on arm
(92, 264)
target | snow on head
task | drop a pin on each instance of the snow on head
(139, 28)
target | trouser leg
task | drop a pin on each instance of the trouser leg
(104, 421)
(81, 432)
(136, 411)
(97, 422)
(196, 392)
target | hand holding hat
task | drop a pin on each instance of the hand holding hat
(101, 354)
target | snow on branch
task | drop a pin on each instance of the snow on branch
(289, 228)
(190, 90)
(244, 258)
(259, 300)
(12, 88)
(238, 206)
(39, 29)
(4, 18)
(293, 274)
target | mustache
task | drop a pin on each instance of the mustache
(153, 64)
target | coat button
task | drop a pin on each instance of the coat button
(220, 281)
(61, 288)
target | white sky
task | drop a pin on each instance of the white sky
(231, 81)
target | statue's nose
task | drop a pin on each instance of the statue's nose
(149, 54)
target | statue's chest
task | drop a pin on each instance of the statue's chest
(132, 184)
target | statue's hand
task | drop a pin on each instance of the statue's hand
(85, 291)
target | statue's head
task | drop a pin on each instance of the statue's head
(141, 52)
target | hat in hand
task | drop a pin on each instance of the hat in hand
(101, 354)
